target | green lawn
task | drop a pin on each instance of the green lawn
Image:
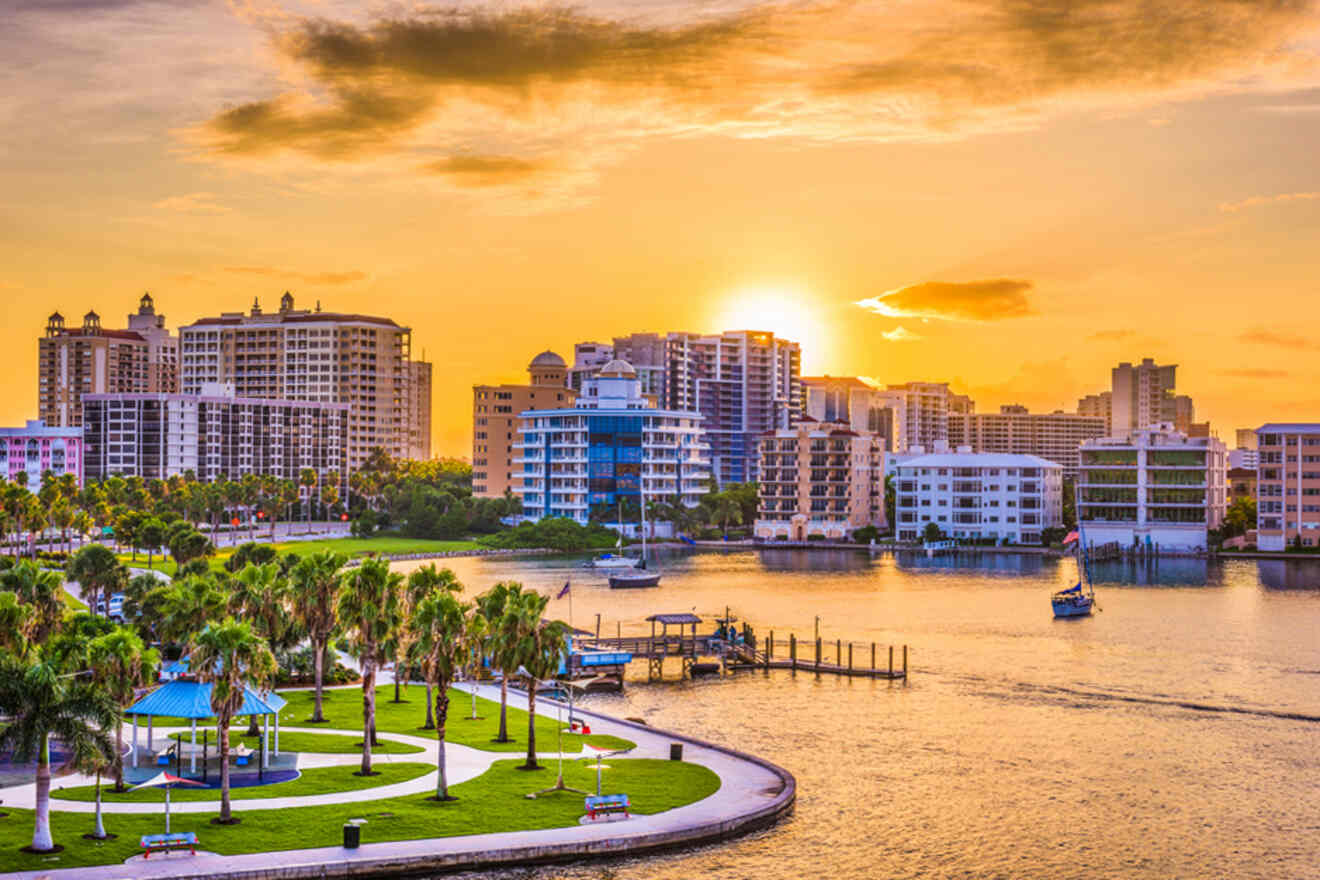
(343, 708)
(315, 780)
(71, 602)
(321, 743)
(349, 546)
(492, 802)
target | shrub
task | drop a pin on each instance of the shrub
(866, 534)
(555, 533)
(816, 537)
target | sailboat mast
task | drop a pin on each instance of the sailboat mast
(1082, 553)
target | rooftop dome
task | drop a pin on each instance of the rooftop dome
(548, 358)
(617, 369)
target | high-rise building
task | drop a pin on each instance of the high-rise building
(978, 496)
(215, 434)
(588, 358)
(820, 478)
(39, 448)
(1154, 486)
(859, 405)
(91, 359)
(1100, 406)
(614, 445)
(1288, 485)
(1184, 416)
(928, 406)
(1245, 438)
(495, 410)
(1055, 436)
(302, 354)
(1143, 395)
(419, 410)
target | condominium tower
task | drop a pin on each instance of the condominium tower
(859, 405)
(1288, 485)
(300, 354)
(91, 359)
(928, 406)
(978, 496)
(1055, 436)
(495, 416)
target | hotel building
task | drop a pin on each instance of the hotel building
(38, 448)
(1154, 486)
(1288, 485)
(215, 434)
(978, 495)
(859, 405)
(820, 478)
(91, 359)
(612, 445)
(495, 415)
(927, 408)
(311, 355)
(1056, 436)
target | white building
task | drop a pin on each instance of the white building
(612, 447)
(973, 495)
(1153, 486)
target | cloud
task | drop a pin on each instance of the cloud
(487, 170)
(419, 78)
(198, 203)
(305, 277)
(901, 334)
(990, 300)
(1262, 336)
(1253, 373)
(1257, 201)
(1110, 335)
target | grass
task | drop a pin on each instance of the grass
(492, 802)
(350, 546)
(319, 743)
(71, 602)
(343, 709)
(315, 780)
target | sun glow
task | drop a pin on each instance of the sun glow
(785, 311)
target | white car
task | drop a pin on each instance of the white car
(116, 611)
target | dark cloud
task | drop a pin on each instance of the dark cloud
(789, 68)
(305, 277)
(487, 170)
(990, 300)
(1262, 336)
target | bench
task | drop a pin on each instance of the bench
(606, 804)
(167, 842)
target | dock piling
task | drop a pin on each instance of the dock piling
(850, 658)
(891, 661)
(905, 664)
(817, 655)
(873, 656)
(792, 651)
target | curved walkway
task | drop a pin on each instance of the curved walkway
(753, 794)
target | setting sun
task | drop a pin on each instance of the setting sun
(784, 311)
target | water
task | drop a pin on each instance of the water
(1174, 734)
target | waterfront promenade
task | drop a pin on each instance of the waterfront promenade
(753, 793)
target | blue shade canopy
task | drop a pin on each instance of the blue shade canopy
(192, 699)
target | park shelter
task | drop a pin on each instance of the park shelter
(182, 698)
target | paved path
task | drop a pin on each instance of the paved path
(752, 794)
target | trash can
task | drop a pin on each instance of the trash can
(352, 836)
(675, 751)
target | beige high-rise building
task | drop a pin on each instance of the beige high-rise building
(495, 410)
(1055, 436)
(301, 354)
(1288, 485)
(419, 410)
(928, 406)
(91, 359)
(1143, 395)
(1099, 405)
(860, 405)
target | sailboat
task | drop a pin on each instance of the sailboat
(639, 576)
(616, 560)
(1076, 601)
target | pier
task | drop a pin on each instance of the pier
(675, 636)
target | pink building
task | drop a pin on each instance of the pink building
(39, 448)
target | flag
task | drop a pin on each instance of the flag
(563, 592)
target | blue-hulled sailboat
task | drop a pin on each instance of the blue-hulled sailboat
(1077, 600)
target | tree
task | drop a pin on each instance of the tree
(38, 703)
(443, 640)
(39, 590)
(725, 508)
(421, 583)
(494, 605)
(307, 480)
(228, 655)
(13, 617)
(121, 663)
(315, 589)
(98, 572)
(540, 646)
(151, 534)
(184, 607)
(368, 608)
(932, 532)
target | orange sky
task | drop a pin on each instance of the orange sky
(1030, 194)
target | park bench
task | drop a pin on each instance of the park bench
(606, 804)
(166, 842)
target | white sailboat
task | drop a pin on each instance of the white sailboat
(616, 560)
(639, 576)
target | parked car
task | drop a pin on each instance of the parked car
(116, 610)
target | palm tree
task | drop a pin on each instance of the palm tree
(540, 647)
(493, 604)
(151, 534)
(121, 663)
(228, 655)
(315, 588)
(259, 593)
(38, 703)
(13, 618)
(441, 623)
(307, 479)
(368, 608)
(39, 589)
(421, 583)
(98, 572)
(188, 606)
(725, 509)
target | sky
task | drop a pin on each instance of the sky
(1008, 195)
